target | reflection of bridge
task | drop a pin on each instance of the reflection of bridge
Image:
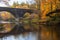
(16, 11)
(18, 30)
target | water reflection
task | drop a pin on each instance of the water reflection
(30, 22)
(46, 34)
(29, 36)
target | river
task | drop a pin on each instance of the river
(26, 36)
(46, 33)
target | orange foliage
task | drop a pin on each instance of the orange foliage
(6, 15)
(46, 7)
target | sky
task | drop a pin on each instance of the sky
(31, 36)
(2, 4)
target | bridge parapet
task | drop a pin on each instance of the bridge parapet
(16, 11)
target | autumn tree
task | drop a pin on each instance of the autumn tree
(38, 4)
(15, 4)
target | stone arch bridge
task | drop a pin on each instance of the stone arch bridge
(16, 11)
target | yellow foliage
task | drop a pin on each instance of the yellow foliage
(53, 7)
(46, 7)
(42, 7)
(6, 15)
(27, 27)
(27, 15)
(8, 27)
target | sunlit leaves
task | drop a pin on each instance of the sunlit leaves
(6, 15)
(35, 17)
(31, 17)
(47, 6)
(27, 15)
(7, 27)
(6, 22)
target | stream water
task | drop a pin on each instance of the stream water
(45, 34)
(27, 36)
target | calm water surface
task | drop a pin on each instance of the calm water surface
(27, 36)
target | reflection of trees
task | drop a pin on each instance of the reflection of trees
(26, 21)
(6, 17)
(1, 28)
(34, 21)
(31, 21)
(7, 27)
(54, 20)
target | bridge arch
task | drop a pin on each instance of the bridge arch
(16, 11)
